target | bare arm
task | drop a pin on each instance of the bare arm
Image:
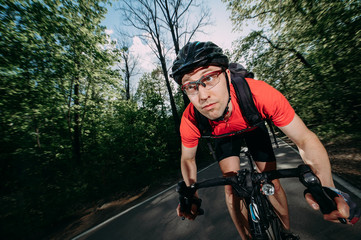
(313, 153)
(189, 172)
(311, 149)
(188, 165)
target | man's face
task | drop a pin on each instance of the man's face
(209, 102)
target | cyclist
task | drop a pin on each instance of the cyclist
(201, 69)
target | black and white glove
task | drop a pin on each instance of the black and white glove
(332, 193)
(354, 210)
(187, 198)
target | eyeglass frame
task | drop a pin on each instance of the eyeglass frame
(199, 81)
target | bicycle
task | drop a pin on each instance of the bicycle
(254, 187)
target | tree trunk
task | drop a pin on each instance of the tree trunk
(172, 103)
(127, 77)
(77, 133)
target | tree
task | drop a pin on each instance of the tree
(152, 93)
(55, 74)
(176, 16)
(89, 63)
(128, 65)
(306, 49)
(156, 20)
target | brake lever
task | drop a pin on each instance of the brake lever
(313, 184)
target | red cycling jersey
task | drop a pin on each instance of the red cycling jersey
(270, 103)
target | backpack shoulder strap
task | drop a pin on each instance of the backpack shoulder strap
(245, 99)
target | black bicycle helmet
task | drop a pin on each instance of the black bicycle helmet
(197, 54)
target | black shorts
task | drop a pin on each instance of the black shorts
(258, 143)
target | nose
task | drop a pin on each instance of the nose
(202, 92)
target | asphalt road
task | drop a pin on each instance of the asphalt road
(156, 218)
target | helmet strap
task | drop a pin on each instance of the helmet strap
(221, 118)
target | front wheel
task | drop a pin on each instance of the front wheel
(263, 221)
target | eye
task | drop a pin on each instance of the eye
(209, 78)
(190, 87)
(193, 87)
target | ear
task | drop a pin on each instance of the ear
(228, 72)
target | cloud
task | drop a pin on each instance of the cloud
(221, 31)
(147, 60)
(109, 31)
(110, 42)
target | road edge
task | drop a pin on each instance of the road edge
(342, 182)
(131, 208)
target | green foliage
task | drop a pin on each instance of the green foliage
(309, 50)
(46, 49)
(152, 92)
(68, 137)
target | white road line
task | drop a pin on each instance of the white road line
(129, 209)
(120, 214)
(342, 182)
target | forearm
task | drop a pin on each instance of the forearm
(311, 149)
(314, 154)
(189, 166)
(189, 171)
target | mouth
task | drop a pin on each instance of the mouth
(208, 106)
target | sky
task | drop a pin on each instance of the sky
(220, 32)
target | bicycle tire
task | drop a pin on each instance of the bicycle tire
(265, 226)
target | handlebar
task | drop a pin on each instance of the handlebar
(244, 181)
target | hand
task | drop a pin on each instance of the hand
(189, 203)
(341, 212)
(190, 216)
(346, 208)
